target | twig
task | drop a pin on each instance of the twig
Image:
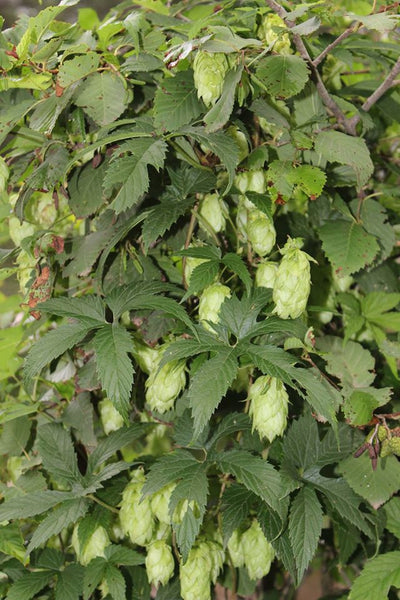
(339, 39)
(385, 85)
(188, 239)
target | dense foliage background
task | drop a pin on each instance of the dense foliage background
(183, 414)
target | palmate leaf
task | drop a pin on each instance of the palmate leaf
(29, 585)
(230, 424)
(112, 344)
(335, 146)
(163, 216)
(70, 583)
(176, 103)
(130, 172)
(283, 76)
(305, 523)
(89, 310)
(378, 575)
(236, 264)
(32, 504)
(209, 384)
(115, 582)
(58, 457)
(170, 467)
(116, 440)
(301, 443)
(374, 219)
(236, 504)
(121, 298)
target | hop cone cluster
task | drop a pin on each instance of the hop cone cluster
(163, 386)
(293, 281)
(159, 563)
(266, 274)
(209, 72)
(252, 550)
(267, 32)
(110, 417)
(268, 406)
(210, 303)
(201, 568)
(95, 545)
(136, 517)
(213, 209)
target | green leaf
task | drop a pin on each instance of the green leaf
(89, 310)
(14, 436)
(309, 179)
(202, 276)
(209, 384)
(85, 190)
(378, 575)
(376, 303)
(51, 346)
(380, 22)
(116, 440)
(283, 76)
(359, 407)
(392, 510)
(301, 443)
(70, 583)
(236, 504)
(162, 217)
(230, 424)
(121, 298)
(142, 62)
(165, 305)
(374, 219)
(273, 361)
(57, 453)
(29, 585)
(103, 97)
(335, 146)
(347, 246)
(170, 467)
(176, 103)
(77, 68)
(254, 473)
(319, 393)
(67, 513)
(115, 582)
(120, 555)
(130, 172)
(31, 504)
(93, 576)
(12, 542)
(338, 445)
(236, 264)
(375, 486)
(12, 113)
(112, 344)
(219, 114)
(305, 524)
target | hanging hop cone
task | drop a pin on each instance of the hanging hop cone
(146, 357)
(210, 303)
(217, 557)
(260, 232)
(266, 274)
(159, 563)
(293, 281)
(214, 210)
(95, 546)
(164, 385)
(195, 574)
(268, 406)
(209, 72)
(110, 417)
(258, 552)
(160, 503)
(136, 517)
(235, 548)
(269, 34)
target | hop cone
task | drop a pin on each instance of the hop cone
(146, 357)
(235, 548)
(210, 303)
(280, 40)
(240, 140)
(213, 210)
(160, 502)
(293, 281)
(209, 72)
(268, 406)
(195, 574)
(394, 445)
(95, 546)
(266, 274)
(260, 232)
(110, 417)
(217, 556)
(159, 563)
(136, 517)
(251, 181)
(258, 552)
(164, 386)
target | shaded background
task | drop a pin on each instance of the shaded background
(12, 9)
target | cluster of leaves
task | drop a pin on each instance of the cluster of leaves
(108, 150)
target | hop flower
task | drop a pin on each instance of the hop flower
(146, 357)
(110, 417)
(210, 303)
(209, 72)
(260, 232)
(217, 556)
(164, 386)
(241, 141)
(258, 552)
(195, 574)
(213, 209)
(293, 281)
(266, 274)
(159, 563)
(235, 548)
(251, 181)
(268, 406)
(267, 33)
(95, 545)
(160, 503)
(136, 517)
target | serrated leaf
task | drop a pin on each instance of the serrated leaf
(336, 446)
(120, 555)
(12, 113)
(209, 384)
(230, 424)
(88, 309)
(102, 97)
(29, 585)
(77, 68)
(301, 443)
(309, 179)
(12, 542)
(170, 467)
(14, 436)
(115, 582)
(254, 473)
(142, 62)
(375, 221)
(392, 510)
(378, 575)
(202, 276)
(32, 504)
(218, 115)
(112, 344)
(176, 103)
(85, 189)
(283, 76)
(67, 513)
(236, 504)
(359, 407)
(58, 457)
(112, 443)
(351, 363)
(130, 172)
(262, 202)
(335, 146)
(166, 305)
(51, 346)
(375, 486)
(162, 217)
(319, 393)
(347, 246)
(380, 22)
(121, 298)
(70, 583)
(94, 573)
(273, 361)
(305, 523)
(236, 264)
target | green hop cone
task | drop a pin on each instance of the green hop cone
(136, 516)
(241, 141)
(159, 563)
(394, 445)
(260, 232)
(160, 503)
(270, 34)
(210, 303)
(195, 574)
(258, 552)
(251, 181)
(385, 449)
(164, 386)
(213, 210)
(110, 417)
(95, 545)
(146, 357)
(209, 72)
(235, 548)
(217, 556)
(266, 274)
(293, 281)
(382, 433)
(268, 406)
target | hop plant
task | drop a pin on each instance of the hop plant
(268, 406)
(195, 574)
(210, 303)
(266, 274)
(209, 72)
(191, 262)
(160, 503)
(214, 210)
(164, 385)
(241, 141)
(293, 281)
(260, 232)
(95, 545)
(146, 357)
(217, 556)
(267, 32)
(235, 548)
(251, 181)
(136, 516)
(258, 552)
(110, 417)
(4, 175)
(159, 563)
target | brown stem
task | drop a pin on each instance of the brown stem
(339, 39)
(385, 85)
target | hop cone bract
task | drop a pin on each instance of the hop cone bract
(209, 72)
(95, 546)
(235, 548)
(160, 502)
(260, 232)
(136, 517)
(293, 281)
(268, 406)
(266, 274)
(195, 574)
(210, 303)
(159, 563)
(110, 417)
(258, 552)
(164, 386)
(213, 210)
